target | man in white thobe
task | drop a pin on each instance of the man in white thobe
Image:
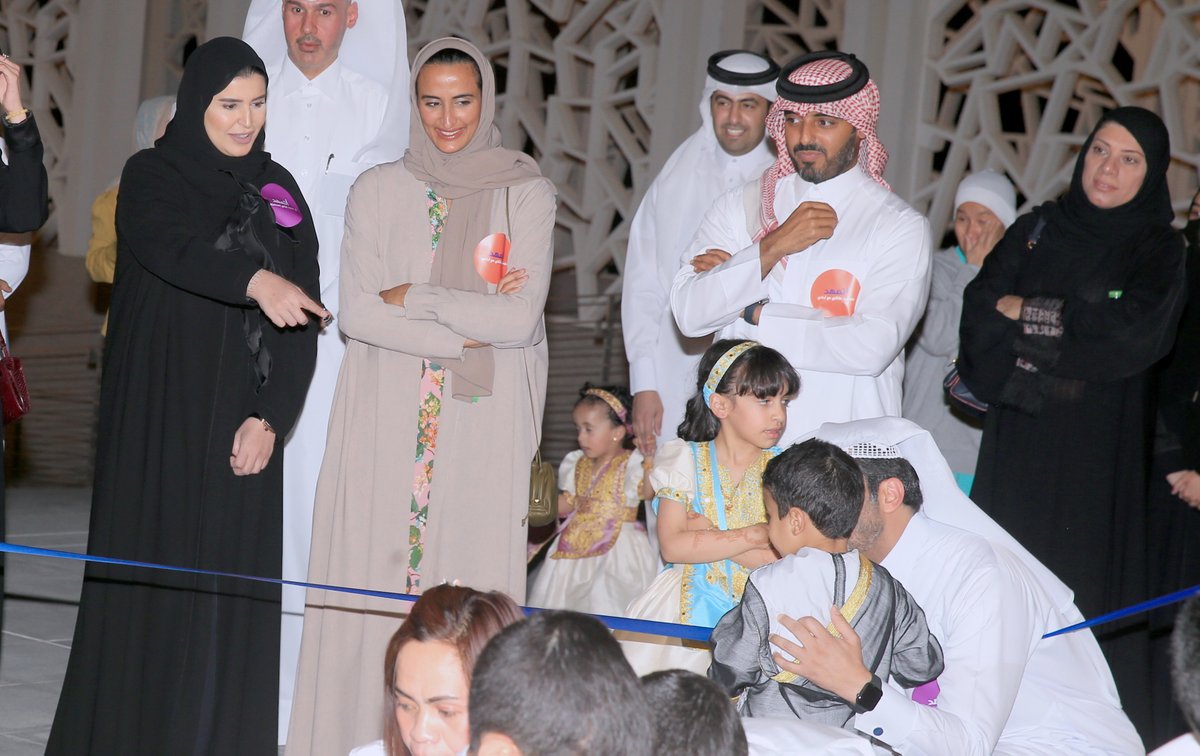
(1005, 688)
(727, 150)
(337, 91)
(839, 285)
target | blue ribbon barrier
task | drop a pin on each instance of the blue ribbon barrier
(646, 627)
(1144, 606)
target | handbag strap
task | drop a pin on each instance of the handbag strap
(537, 449)
(1036, 233)
(4, 354)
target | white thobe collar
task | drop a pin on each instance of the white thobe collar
(727, 163)
(792, 190)
(905, 556)
(290, 80)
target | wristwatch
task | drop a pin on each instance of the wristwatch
(868, 698)
(748, 313)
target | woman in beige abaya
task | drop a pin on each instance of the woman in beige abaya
(439, 401)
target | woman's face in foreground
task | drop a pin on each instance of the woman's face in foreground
(449, 101)
(236, 115)
(1114, 167)
(430, 693)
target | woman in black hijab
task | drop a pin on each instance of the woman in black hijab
(1077, 302)
(208, 357)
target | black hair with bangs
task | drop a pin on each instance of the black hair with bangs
(760, 371)
(449, 56)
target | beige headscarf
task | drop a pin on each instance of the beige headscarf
(469, 177)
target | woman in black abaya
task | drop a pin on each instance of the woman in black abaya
(208, 357)
(1058, 333)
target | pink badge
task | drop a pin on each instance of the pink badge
(491, 257)
(287, 212)
(927, 694)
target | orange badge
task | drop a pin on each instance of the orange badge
(491, 257)
(836, 292)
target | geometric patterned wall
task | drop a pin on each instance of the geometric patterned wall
(172, 28)
(1008, 84)
(1017, 86)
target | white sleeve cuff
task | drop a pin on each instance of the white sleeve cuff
(642, 375)
(892, 720)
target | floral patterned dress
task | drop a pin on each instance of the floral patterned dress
(433, 381)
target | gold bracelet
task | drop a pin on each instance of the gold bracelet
(14, 117)
(266, 426)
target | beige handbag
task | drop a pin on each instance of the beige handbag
(543, 492)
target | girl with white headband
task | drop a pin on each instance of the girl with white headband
(711, 518)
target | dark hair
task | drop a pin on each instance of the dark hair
(250, 71)
(557, 683)
(879, 470)
(449, 56)
(820, 480)
(463, 617)
(1185, 662)
(694, 717)
(759, 370)
(621, 394)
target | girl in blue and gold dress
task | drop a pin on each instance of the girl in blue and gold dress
(708, 485)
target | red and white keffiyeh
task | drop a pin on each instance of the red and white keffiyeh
(860, 109)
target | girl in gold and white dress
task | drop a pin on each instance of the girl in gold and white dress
(602, 559)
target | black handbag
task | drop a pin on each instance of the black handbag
(958, 393)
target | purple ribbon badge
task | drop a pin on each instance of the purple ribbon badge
(287, 211)
(927, 694)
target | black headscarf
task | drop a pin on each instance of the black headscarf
(211, 67)
(1101, 288)
(1074, 213)
(251, 228)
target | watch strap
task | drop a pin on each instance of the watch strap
(868, 698)
(748, 313)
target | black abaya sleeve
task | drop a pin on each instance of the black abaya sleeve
(293, 350)
(158, 228)
(1178, 384)
(985, 353)
(1116, 338)
(24, 203)
(1104, 340)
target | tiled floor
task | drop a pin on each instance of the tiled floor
(39, 613)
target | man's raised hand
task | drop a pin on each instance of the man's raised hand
(808, 224)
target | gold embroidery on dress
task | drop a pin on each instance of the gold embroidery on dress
(674, 494)
(600, 509)
(743, 507)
